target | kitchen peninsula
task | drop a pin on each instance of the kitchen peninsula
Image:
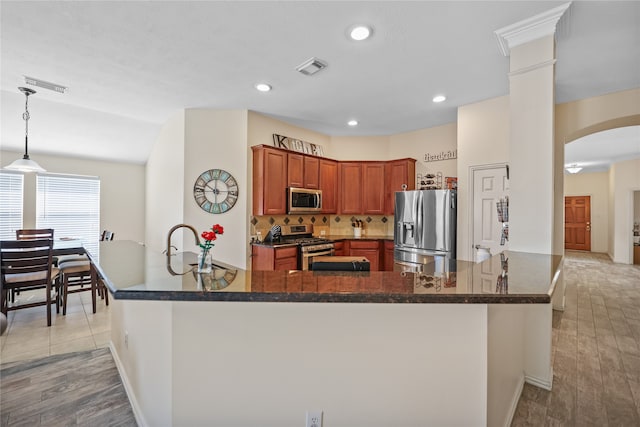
(450, 347)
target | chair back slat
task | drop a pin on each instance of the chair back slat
(34, 233)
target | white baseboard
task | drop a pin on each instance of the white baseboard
(137, 412)
(514, 402)
(545, 384)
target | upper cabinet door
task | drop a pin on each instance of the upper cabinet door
(269, 181)
(311, 172)
(351, 187)
(328, 175)
(373, 194)
(398, 173)
(295, 170)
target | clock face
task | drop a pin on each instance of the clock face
(216, 191)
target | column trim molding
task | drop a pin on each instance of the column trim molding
(529, 29)
(525, 70)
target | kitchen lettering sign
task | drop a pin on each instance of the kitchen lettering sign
(443, 155)
(293, 144)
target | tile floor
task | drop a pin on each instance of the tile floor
(28, 336)
(596, 350)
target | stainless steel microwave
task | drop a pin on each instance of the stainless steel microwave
(303, 200)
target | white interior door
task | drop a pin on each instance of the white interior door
(489, 186)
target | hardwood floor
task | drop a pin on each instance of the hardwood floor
(82, 388)
(596, 350)
(63, 375)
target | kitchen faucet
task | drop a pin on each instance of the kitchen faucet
(174, 228)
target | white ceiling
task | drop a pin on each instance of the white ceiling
(130, 66)
(596, 152)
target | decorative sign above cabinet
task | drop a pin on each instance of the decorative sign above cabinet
(443, 155)
(292, 144)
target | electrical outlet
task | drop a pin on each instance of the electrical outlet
(126, 339)
(314, 419)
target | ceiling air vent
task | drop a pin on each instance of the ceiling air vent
(311, 66)
(45, 85)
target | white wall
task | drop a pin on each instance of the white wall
(165, 176)
(147, 358)
(483, 139)
(636, 207)
(427, 141)
(362, 364)
(360, 147)
(122, 191)
(625, 177)
(217, 139)
(261, 128)
(595, 185)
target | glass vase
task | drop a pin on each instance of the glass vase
(204, 262)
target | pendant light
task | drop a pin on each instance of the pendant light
(25, 164)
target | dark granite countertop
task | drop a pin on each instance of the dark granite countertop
(131, 271)
(334, 237)
(338, 237)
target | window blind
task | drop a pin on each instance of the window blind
(11, 191)
(71, 206)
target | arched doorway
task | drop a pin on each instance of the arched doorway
(608, 158)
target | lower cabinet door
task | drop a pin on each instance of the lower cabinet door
(286, 264)
(373, 255)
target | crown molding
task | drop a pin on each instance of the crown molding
(530, 29)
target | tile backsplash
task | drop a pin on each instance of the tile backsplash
(335, 225)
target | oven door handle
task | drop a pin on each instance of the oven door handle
(307, 255)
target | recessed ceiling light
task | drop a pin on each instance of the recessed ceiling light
(263, 87)
(360, 32)
(352, 123)
(439, 98)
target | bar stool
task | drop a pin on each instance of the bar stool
(76, 273)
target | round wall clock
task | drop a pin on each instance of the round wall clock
(216, 191)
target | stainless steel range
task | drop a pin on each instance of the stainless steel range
(308, 246)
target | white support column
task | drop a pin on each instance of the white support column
(531, 46)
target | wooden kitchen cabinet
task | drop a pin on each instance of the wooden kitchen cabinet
(295, 170)
(636, 254)
(269, 181)
(370, 249)
(388, 255)
(303, 171)
(373, 188)
(270, 258)
(398, 173)
(311, 172)
(328, 183)
(350, 188)
(339, 249)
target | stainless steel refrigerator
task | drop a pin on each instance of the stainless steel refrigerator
(425, 227)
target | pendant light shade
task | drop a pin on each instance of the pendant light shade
(25, 164)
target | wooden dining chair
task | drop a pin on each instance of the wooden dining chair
(32, 234)
(77, 276)
(26, 265)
